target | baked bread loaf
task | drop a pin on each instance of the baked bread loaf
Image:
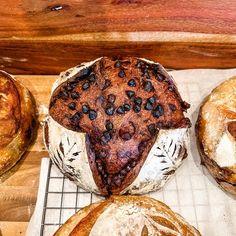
(117, 126)
(126, 215)
(216, 134)
(17, 121)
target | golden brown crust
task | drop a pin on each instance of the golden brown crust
(222, 119)
(71, 223)
(17, 121)
(158, 218)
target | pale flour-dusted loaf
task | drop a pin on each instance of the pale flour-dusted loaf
(117, 126)
(127, 216)
(216, 134)
(17, 121)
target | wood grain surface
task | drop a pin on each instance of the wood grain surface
(19, 186)
(27, 18)
(46, 37)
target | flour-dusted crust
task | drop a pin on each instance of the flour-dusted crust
(17, 121)
(130, 142)
(126, 216)
(216, 134)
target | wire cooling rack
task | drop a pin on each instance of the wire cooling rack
(62, 199)
(191, 192)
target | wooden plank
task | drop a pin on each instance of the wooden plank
(51, 56)
(27, 18)
(46, 37)
(13, 228)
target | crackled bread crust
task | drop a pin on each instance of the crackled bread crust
(126, 215)
(120, 105)
(17, 121)
(216, 134)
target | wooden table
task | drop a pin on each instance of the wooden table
(18, 190)
(46, 37)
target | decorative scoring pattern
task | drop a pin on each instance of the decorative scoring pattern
(191, 191)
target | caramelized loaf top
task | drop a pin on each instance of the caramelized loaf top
(120, 104)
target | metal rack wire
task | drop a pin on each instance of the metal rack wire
(190, 192)
(62, 199)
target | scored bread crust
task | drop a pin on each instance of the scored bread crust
(17, 121)
(69, 145)
(217, 111)
(126, 215)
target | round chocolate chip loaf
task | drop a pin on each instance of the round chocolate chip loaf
(117, 126)
(127, 215)
(216, 134)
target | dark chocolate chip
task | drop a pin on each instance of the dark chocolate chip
(126, 136)
(106, 84)
(137, 108)
(142, 146)
(83, 73)
(130, 93)
(140, 64)
(92, 78)
(118, 64)
(111, 98)
(85, 86)
(152, 129)
(121, 74)
(76, 117)
(101, 99)
(132, 83)
(138, 100)
(159, 111)
(172, 107)
(185, 105)
(63, 95)
(126, 107)
(110, 110)
(160, 77)
(72, 105)
(92, 114)
(155, 67)
(145, 69)
(106, 137)
(85, 109)
(120, 110)
(109, 125)
(75, 95)
(152, 99)
(147, 86)
(146, 74)
(148, 106)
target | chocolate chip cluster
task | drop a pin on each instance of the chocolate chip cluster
(120, 104)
